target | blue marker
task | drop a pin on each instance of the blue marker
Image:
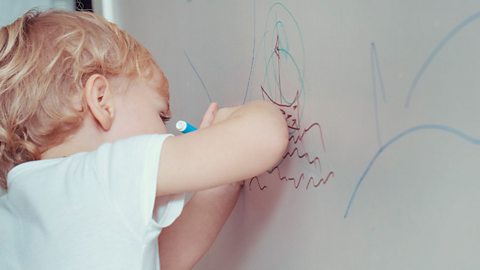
(185, 127)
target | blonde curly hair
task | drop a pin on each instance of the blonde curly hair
(45, 60)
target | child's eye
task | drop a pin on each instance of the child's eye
(165, 118)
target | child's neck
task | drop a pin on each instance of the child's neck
(85, 139)
(62, 150)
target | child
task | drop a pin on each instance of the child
(93, 176)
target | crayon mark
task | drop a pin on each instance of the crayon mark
(257, 181)
(377, 79)
(377, 76)
(253, 54)
(283, 76)
(277, 45)
(198, 76)
(402, 135)
(295, 180)
(435, 51)
(279, 62)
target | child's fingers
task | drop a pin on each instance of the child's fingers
(209, 115)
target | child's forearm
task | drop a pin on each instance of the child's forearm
(254, 108)
(185, 242)
(224, 151)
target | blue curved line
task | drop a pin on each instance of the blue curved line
(253, 54)
(376, 76)
(300, 75)
(267, 71)
(435, 51)
(396, 138)
(278, 4)
(378, 70)
(198, 75)
(279, 29)
(297, 68)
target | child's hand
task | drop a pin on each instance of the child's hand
(215, 115)
(209, 116)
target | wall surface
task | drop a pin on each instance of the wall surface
(12, 9)
(382, 99)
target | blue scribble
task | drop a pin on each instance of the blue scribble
(278, 36)
(441, 128)
(253, 54)
(435, 51)
(198, 76)
(377, 76)
(376, 71)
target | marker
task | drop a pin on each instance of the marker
(185, 127)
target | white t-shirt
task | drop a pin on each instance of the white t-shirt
(91, 210)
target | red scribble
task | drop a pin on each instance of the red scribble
(297, 181)
(260, 186)
(304, 155)
(295, 139)
(305, 131)
(321, 180)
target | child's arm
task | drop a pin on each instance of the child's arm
(185, 242)
(244, 141)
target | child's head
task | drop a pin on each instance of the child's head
(45, 60)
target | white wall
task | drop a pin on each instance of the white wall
(394, 87)
(12, 9)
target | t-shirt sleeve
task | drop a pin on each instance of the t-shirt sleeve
(127, 170)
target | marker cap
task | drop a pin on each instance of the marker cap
(185, 127)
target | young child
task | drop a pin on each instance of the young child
(91, 175)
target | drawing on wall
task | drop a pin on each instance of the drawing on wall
(365, 95)
(280, 60)
(283, 85)
(378, 86)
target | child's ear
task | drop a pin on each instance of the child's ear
(98, 95)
